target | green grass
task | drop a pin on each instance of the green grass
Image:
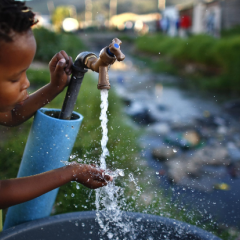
(216, 61)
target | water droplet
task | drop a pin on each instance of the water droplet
(174, 150)
(131, 177)
(138, 188)
(83, 224)
(110, 235)
(121, 172)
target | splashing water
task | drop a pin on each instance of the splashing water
(110, 198)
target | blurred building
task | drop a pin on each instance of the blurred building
(210, 16)
(161, 4)
(230, 13)
(131, 21)
(207, 18)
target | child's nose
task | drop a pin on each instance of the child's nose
(25, 84)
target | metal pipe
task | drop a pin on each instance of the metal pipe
(78, 72)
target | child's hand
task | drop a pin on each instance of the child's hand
(90, 176)
(60, 69)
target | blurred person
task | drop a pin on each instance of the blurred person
(210, 24)
(165, 23)
(185, 24)
(158, 23)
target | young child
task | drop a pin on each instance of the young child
(17, 50)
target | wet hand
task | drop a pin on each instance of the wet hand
(90, 176)
(60, 69)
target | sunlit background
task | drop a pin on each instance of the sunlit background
(199, 16)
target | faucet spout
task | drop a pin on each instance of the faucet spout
(107, 57)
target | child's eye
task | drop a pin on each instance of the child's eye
(14, 81)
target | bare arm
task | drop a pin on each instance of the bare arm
(60, 69)
(18, 190)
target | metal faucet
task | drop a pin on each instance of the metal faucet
(107, 57)
(89, 60)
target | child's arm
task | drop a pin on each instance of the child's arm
(18, 190)
(60, 69)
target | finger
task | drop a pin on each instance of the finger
(60, 66)
(64, 54)
(54, 61)
(97, 171)
(68, 63)
(68, 68)
(100, 184)
(108, 178)
(99, 177)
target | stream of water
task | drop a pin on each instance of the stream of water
(104, 120)
(107, 198)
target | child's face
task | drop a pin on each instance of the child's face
(15, 58)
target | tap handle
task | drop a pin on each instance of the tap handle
(114, 48)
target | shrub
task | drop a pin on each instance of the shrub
(220, 57)
(49, 43)
(232, 32)
(38, 77)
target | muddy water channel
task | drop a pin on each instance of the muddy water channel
(190, 141)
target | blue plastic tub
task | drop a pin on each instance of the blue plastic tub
(82, 225)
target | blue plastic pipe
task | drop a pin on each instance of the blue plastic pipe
(49, 144)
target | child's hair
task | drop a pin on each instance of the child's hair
(14, 15)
